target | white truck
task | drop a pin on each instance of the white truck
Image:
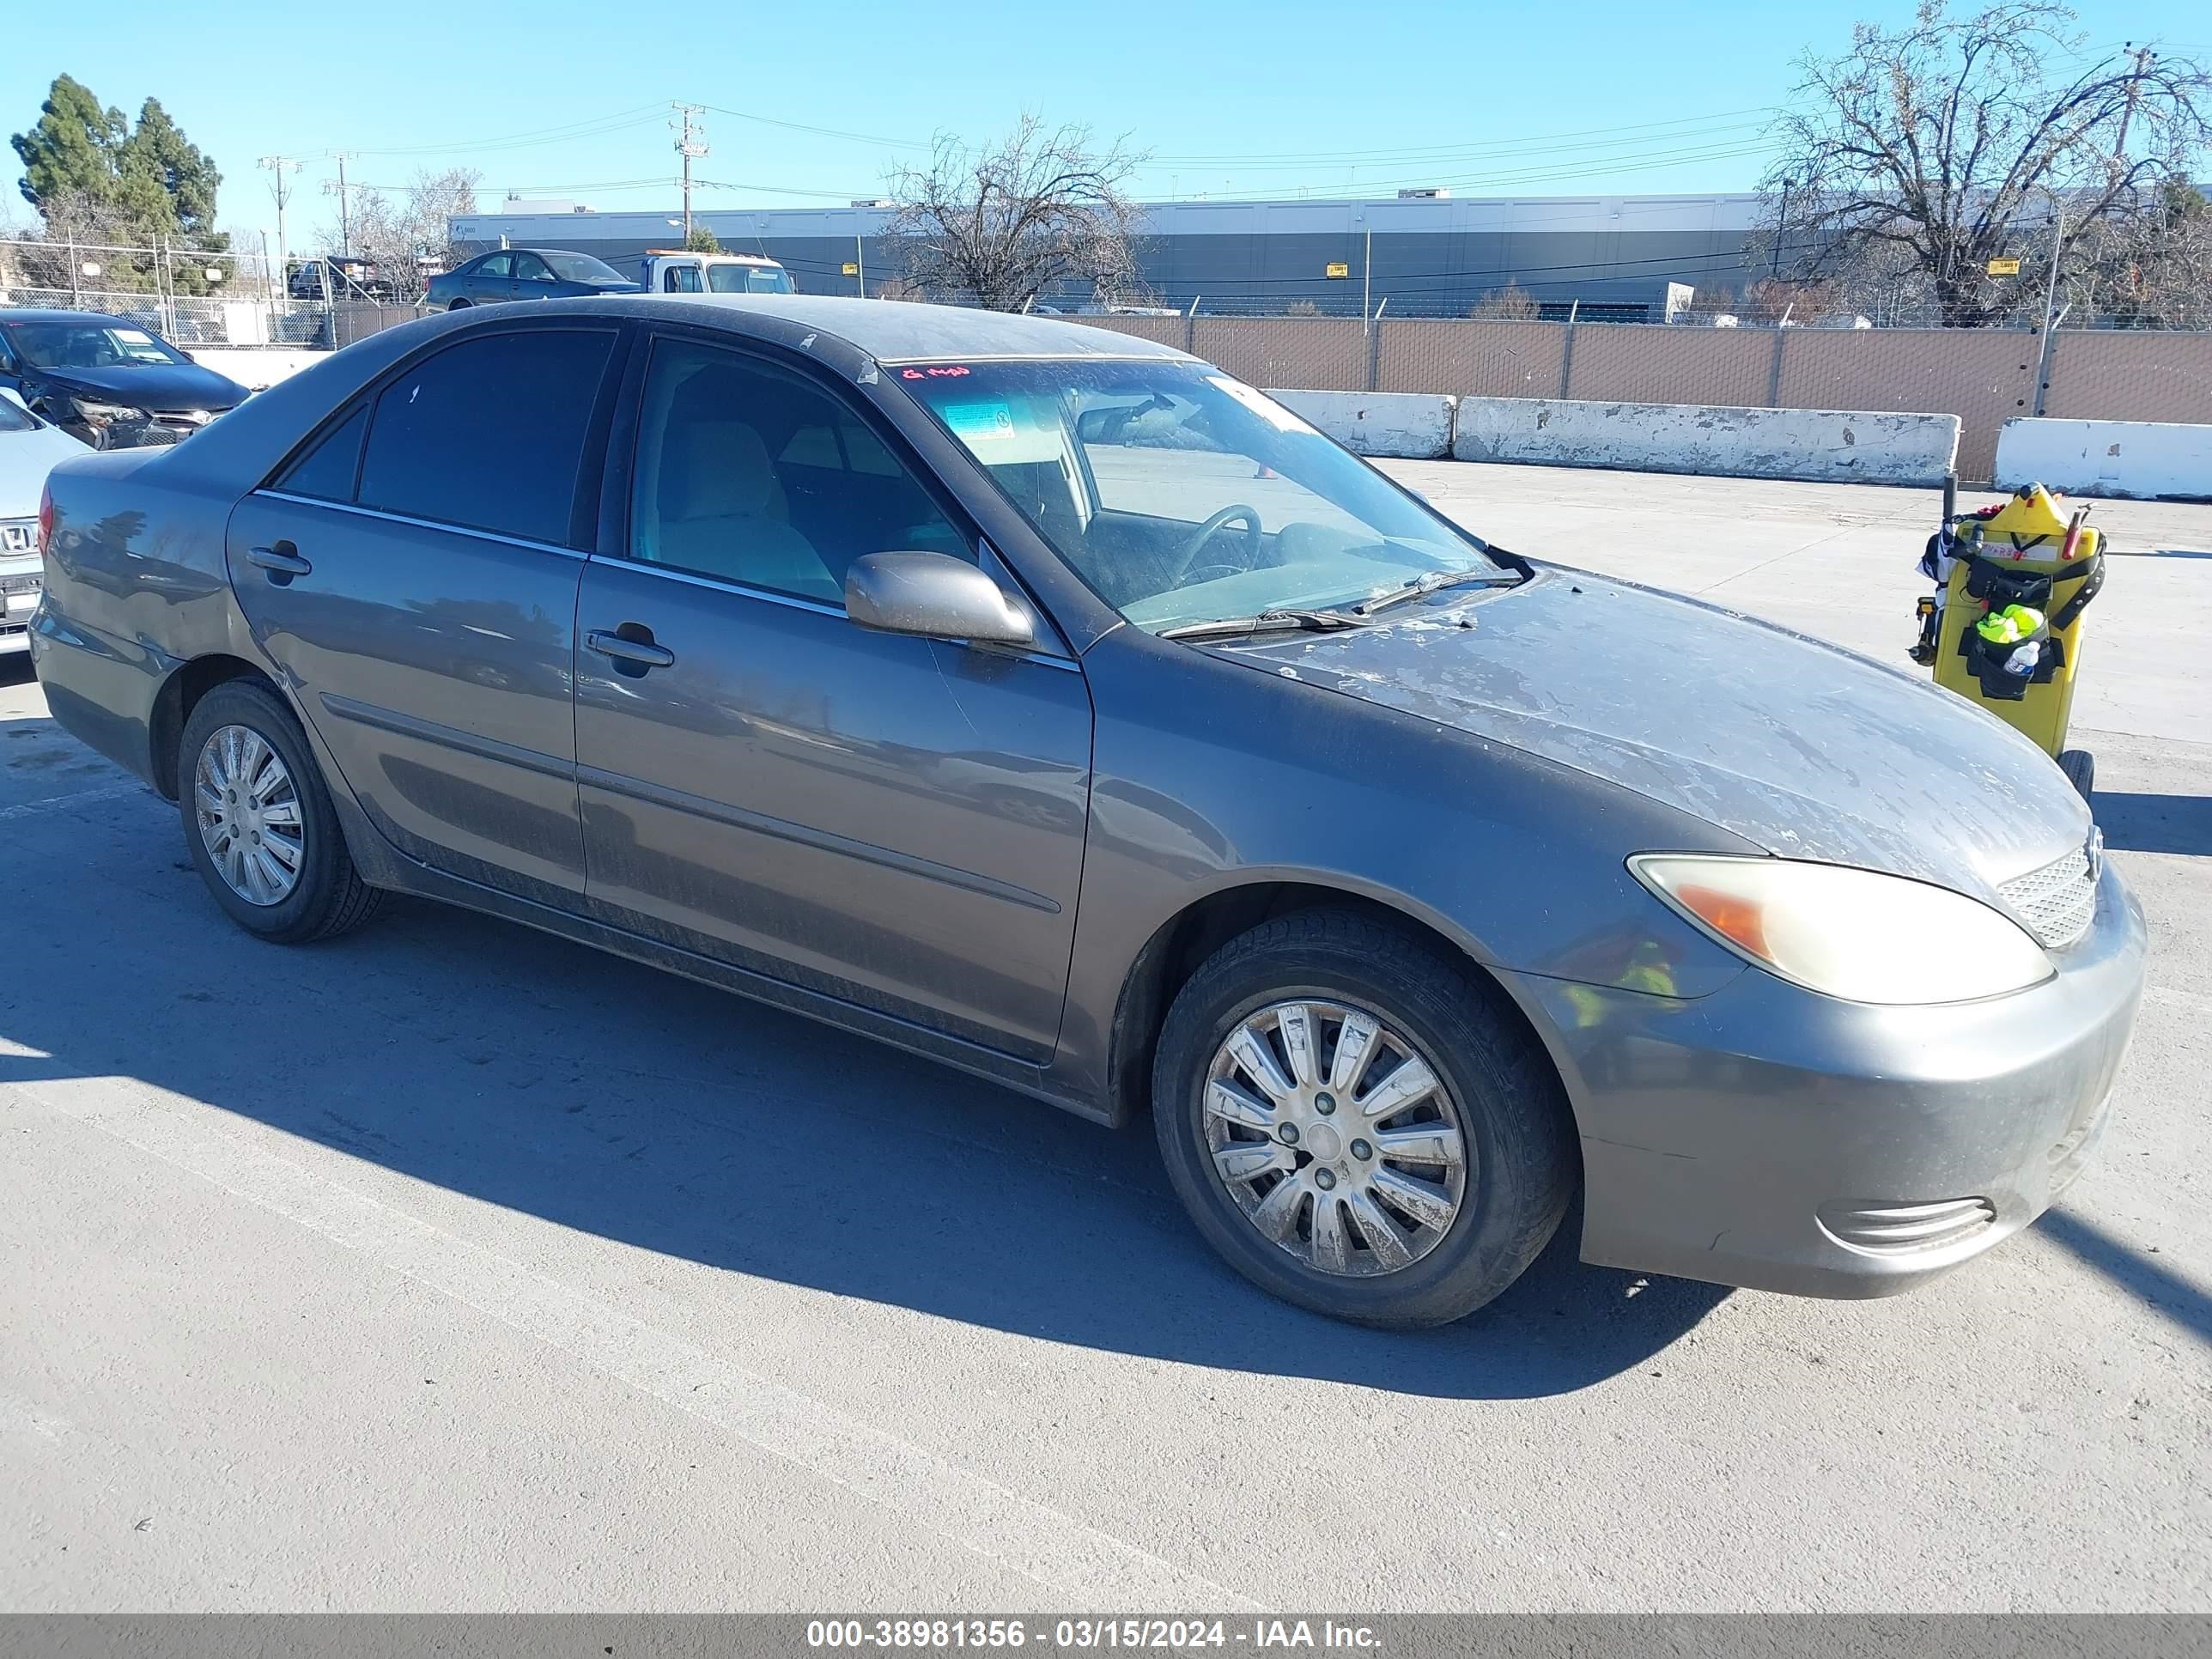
(673, 270)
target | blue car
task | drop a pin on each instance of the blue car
(524, 273)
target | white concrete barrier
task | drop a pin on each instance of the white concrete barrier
(1409, 426)
(1820, 445)
(2142, 460)
(256, 367)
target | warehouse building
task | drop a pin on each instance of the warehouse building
(1420, 253)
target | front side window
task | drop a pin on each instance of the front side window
(1182, 496)
(88, 345)
(529, 268)
(489, 434)
(578, 267)
(752, 473)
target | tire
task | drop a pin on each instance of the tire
(1518, 1167)
(326, 896)
(2080, 767)
(458, 305)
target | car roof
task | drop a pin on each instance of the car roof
(895, 331)
(58, 314)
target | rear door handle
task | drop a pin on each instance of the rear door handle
(281, 559)
(623, 648)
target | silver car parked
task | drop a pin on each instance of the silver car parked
(1051, 704)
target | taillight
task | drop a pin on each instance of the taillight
(46, 516)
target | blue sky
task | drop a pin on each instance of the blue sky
(567, 98)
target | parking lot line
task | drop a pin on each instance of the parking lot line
(1091, 1567)
(23, 808)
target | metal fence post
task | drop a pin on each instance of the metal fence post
(1567, 352)
(2047, 355)
(1375, 351)
(1190, 327)
(1774, 368)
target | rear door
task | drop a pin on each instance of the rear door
(892, 821)
(414, 571)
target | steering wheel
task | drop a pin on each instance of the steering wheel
(1236, 512)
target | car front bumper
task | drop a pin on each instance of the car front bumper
(1767, 1137)
(19, 598)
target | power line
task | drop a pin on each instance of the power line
(821, 132)
(1515, 143)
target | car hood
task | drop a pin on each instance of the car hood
(1802, 748)
(160, 386)
(26, 458)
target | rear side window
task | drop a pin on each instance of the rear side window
(489, 434)
(326, 471)
(500, 264)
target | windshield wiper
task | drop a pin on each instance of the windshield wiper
(1421, 586)
(1266, 622)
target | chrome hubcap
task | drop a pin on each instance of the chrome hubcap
(1335, 1137)
(248, 812)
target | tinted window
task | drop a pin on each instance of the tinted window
(681, 279)
(326, 471)
(496, 264)
(488, 433)
(741, 475)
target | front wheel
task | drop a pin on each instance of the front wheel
(1356, 1124)
(2080, 767)
(259, 823)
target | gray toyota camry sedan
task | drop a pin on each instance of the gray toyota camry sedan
(1051, 704)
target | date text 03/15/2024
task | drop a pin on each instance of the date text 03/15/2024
(946, 1634)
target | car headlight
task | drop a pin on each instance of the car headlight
(105, 414)
(1857, 934)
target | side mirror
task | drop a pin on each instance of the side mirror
(933, 595)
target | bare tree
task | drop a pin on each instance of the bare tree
(1921, 155)
(1001, 226)
(402, 238)
(1510, 303)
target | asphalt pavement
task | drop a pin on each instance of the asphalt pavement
(449, 1266)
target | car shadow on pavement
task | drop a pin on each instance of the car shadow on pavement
(2154, 824)
(2133, 1270)
(612, 1098)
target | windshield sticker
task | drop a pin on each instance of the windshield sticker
(975, 423)
(1266, 408)
(135, 336)
(935, 372)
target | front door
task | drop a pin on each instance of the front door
(493, 281)
(413, 573)
(893, 821)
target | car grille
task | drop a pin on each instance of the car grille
(18, 536)
(2059, 900)
(1902, 1229)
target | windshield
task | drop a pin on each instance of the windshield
(748, 279)
(87, 345)
(581, 268)
(1182, 496)
(15, 418)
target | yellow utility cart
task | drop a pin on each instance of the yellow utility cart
(2004, 625)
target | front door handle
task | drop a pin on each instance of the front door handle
(281, 560)
(623, 648)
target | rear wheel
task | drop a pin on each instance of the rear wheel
(259, 823)
(458, 305)
(1356, 1125)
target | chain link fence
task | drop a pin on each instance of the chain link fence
(190, 297)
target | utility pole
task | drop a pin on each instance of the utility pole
(860, 264)
(281, 188)
(338, 188)
(690, 143)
